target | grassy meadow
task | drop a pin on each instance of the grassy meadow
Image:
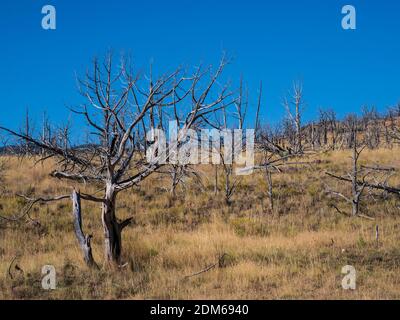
(296, 251)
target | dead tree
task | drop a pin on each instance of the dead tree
(393, 128)
(389, 124)
(350, 124)
(333, 125)
(231, 148)
(226, 156)
(84, 240)
(178, 172)
(288, 134)
(358, 175)
(371, 126)
(357, 189)
(120, 105)
(329, 127)
(324, 125)
(294, 108)
(274, 157)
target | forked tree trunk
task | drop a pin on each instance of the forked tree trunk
(112, 227)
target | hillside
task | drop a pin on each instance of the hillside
(295, 251)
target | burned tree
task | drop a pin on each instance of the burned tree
(227, 147)
(273, 154)
(273, 159)
(358, 175)
(119, 111)
(328, 127)
(294, 108)
(392, 127)
(357, 189)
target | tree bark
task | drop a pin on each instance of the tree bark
(84, 240)
(112, 230)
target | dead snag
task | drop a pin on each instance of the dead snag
(84, 240)
(357, 189)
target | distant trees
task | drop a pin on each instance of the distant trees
(272, 158)
(328, 128)
(123, 112)
(276, 146)
(393, 124)
(225, 145)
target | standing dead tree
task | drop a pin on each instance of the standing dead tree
(232, 145)
(356, 189)
(294, 107)
(393, 125)
(358, 177)
(120, 106)
(226, 158)
(369, 129)
(371, 125)
(273, 154)
(273, 158)
(328, 128)
(177, 171)
(179, 175)
(84, 240)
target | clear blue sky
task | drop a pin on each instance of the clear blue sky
(273, 41)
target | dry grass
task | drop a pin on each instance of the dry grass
(296, 252)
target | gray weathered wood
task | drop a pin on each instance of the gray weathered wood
(84, 240)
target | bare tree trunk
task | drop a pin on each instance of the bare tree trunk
(354, 178)
(174, 182)
(84, 240)
(215, 179)
(270, 189)
(112, 229)
(227, 186)
(113, 151)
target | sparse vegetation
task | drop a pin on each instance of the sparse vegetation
(197, 231)
(296, 253)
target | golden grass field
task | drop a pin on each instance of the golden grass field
(296, 252)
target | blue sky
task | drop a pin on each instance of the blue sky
(273, 41)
